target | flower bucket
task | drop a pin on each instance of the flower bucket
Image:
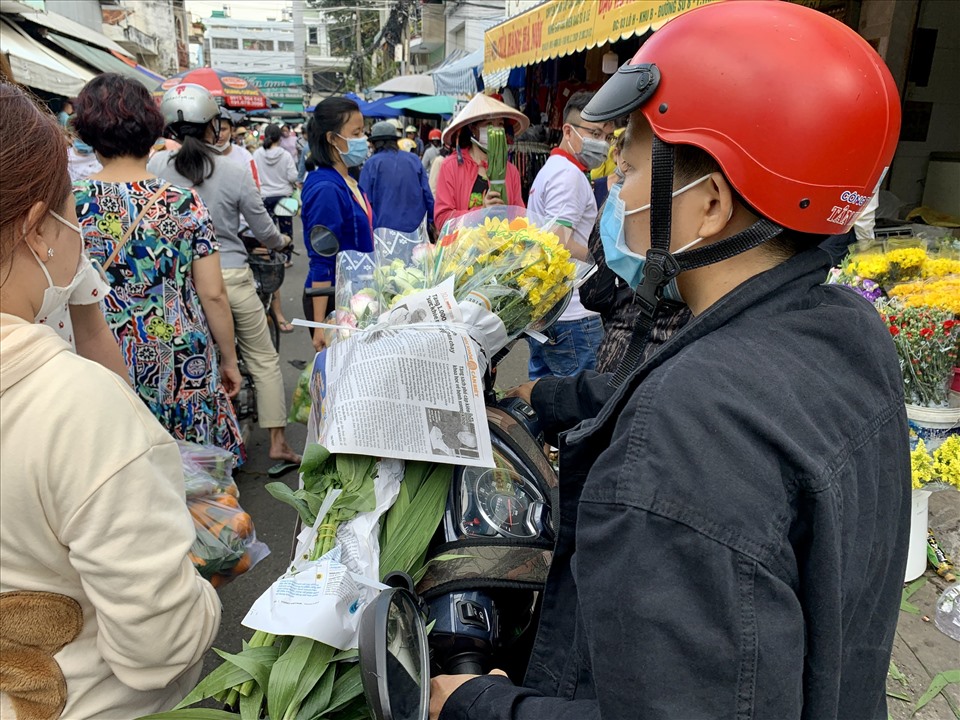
(917, 552)
(933, 425)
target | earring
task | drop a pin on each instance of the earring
(49, 253)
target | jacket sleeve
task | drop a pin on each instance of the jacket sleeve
(599, 292)
(428, 199)
(128, 542)
(291, 171)
(256, 215)
(513, 186)
(445, 199)
(493, 697)
(561, 403)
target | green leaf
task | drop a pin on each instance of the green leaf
(345, 655)
(895, 673)
(250, 705)
(316, 702)
(938, 683)
(314, 459)
(258, 667)
(284, 494)
(295, 673)
(898, 695)
(223, 678)
(347, 686)
(908, 591)
(192, 714)
(318, 662)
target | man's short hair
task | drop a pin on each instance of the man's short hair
(578, 101)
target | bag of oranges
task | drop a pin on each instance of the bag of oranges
(226, 545)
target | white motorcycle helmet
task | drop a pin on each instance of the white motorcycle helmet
(189, 107)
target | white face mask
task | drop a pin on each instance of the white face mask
(54, 310)
(220, 148)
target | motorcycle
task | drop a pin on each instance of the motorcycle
(494, 545)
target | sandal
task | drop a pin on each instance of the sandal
(286, 327)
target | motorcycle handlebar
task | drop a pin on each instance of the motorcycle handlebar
(320, 291)
(465, 664)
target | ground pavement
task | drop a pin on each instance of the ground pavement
(920, 651)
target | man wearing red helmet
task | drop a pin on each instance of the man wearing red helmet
(433, 151)
(734, 512)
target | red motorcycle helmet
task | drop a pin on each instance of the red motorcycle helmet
(801, 114)
(434, 134)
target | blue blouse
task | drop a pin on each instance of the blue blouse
(329, 202)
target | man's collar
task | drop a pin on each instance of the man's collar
(563, 153)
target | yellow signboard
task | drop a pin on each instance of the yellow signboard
(560, 27)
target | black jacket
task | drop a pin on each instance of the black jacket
(733, 524)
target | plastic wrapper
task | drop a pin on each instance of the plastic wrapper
(226, 545)
(300, 402)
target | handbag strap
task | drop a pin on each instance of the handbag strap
(135, 224)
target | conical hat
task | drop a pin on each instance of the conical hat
(484, 107)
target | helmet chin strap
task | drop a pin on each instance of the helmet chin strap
(661, 266)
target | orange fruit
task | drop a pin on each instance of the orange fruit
(243, 564)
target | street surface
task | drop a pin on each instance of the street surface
(920, 651)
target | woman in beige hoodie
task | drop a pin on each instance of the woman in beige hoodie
(102, 614)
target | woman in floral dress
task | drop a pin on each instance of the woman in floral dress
(168, 303)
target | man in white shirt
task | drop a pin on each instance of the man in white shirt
(562, 192)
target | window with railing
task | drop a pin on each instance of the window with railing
(285, 46)
(220, 43)
(258, 45)
(313, 36)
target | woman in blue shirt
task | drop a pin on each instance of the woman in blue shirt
(332, 200)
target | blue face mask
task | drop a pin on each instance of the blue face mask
(81, 147)
(357, 151)
(621, 259)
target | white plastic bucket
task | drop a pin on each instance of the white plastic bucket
(917, 553)
(933, 425)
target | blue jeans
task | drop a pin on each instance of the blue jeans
(571, 348)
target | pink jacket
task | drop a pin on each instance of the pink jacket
(455, 184)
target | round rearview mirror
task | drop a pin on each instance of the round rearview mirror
(394, 660)
(323, 241)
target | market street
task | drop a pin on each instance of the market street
(920, 651)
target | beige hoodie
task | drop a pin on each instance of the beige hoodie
(92, 506)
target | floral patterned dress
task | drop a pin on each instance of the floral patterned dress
(154, 310)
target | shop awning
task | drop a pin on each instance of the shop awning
(460, 76)
(103, 61)
(37, 66)
(140, 68)
(65, 26)
(559, 27)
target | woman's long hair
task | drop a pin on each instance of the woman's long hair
(195, 159)
(271, 136)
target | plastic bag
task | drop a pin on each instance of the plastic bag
(947, 618)
(207, 470)
(300, 402)
(226, 545)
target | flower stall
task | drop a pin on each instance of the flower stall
(915, 286)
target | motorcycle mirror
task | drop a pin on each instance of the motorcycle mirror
(394, 659)
(323, 241)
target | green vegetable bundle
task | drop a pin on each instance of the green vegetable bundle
(296, 677)
(497, 161)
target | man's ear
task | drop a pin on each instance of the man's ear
(717, 205)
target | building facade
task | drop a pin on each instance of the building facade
(154, 31)
(262, 52)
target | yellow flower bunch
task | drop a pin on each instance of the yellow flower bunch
(946, 461)
(519, 268)
(940, 267)
(921, 466)
(897, 266)
(937, 293)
